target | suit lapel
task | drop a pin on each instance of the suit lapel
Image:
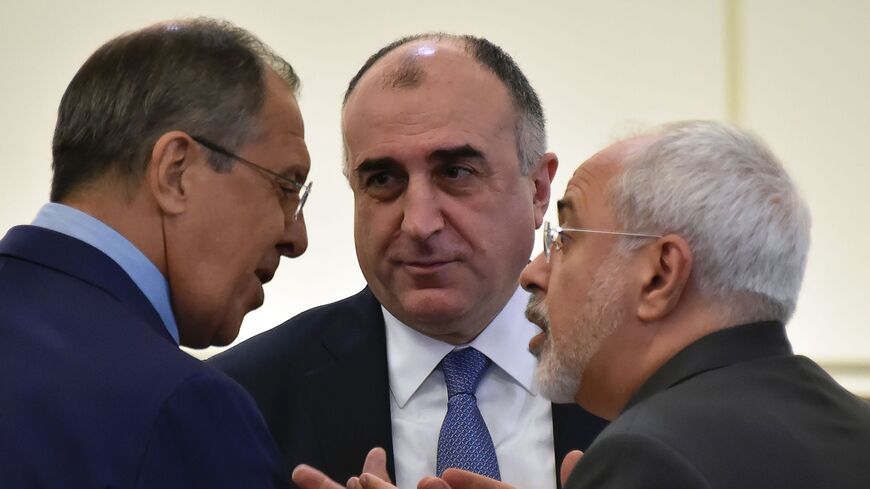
(351, 396)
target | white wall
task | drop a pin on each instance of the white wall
(600, 68)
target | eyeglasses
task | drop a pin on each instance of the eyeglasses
(289, 187)
(553, 236)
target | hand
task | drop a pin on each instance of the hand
(568, 464)
(307, 477)
(374, 474)
(462, 479)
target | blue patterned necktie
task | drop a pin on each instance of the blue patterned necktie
(465, 441)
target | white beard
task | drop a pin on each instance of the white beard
(563, 362)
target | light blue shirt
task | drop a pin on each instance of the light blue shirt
(83, 227)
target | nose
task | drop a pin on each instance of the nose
(422, 213)
(294, 240)
(536, 275)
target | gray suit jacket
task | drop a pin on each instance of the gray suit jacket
(736, 409)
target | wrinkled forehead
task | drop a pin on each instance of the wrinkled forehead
(596, 173)
(588, 187)
(586, 192)
(600, 170)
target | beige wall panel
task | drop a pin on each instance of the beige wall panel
(806, 79)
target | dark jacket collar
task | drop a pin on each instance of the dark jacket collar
(84, 262)
(728, 346)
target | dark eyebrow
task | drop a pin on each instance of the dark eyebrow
(439, 155)
(376, 164)
(456, 153)
(563, 205)
(294, 173)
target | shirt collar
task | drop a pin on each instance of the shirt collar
(412, 356)
(84, 227)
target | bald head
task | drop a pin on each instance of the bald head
(407, 62)
(599, 170)
(408, 66)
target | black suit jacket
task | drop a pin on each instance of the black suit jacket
(736, 409)
(322, 383)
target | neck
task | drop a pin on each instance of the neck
(636, 351)
(135, 217)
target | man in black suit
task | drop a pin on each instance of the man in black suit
(445, 153)
(663, 297)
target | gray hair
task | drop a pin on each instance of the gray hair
(728, 196)
(530, 125)
(202, 76)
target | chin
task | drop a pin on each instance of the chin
(223, 341)
(210, 332)
(435, 304)
(556, 379)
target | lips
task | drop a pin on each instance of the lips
(536, 312)
(426, 266)
(264, 275)
(536, 344)
(423, 263)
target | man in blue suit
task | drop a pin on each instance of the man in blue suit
(177, 187)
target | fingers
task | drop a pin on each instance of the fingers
(370, 481)
(432, 483)
(307, 477)
(462, 479)
(568, 464)
(376, 463)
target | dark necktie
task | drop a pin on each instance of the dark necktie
(465, 442)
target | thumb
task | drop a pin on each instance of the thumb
(376, 464)
(568, 464)
(463, 479)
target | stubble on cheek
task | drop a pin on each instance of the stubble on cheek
(564, 360)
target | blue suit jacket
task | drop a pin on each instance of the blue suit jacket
(94, 392)
(322, 383)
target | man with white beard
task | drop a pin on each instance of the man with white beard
(562, 365)
(663, 296)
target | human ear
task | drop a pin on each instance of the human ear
(542, 177)
(171, 158)
(667, 267)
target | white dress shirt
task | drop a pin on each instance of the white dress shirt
(519, 419)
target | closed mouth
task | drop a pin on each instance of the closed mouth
(264, 276)
(426, 266)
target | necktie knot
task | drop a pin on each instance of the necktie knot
(463, 370)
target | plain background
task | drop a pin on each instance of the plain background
(796, 73)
